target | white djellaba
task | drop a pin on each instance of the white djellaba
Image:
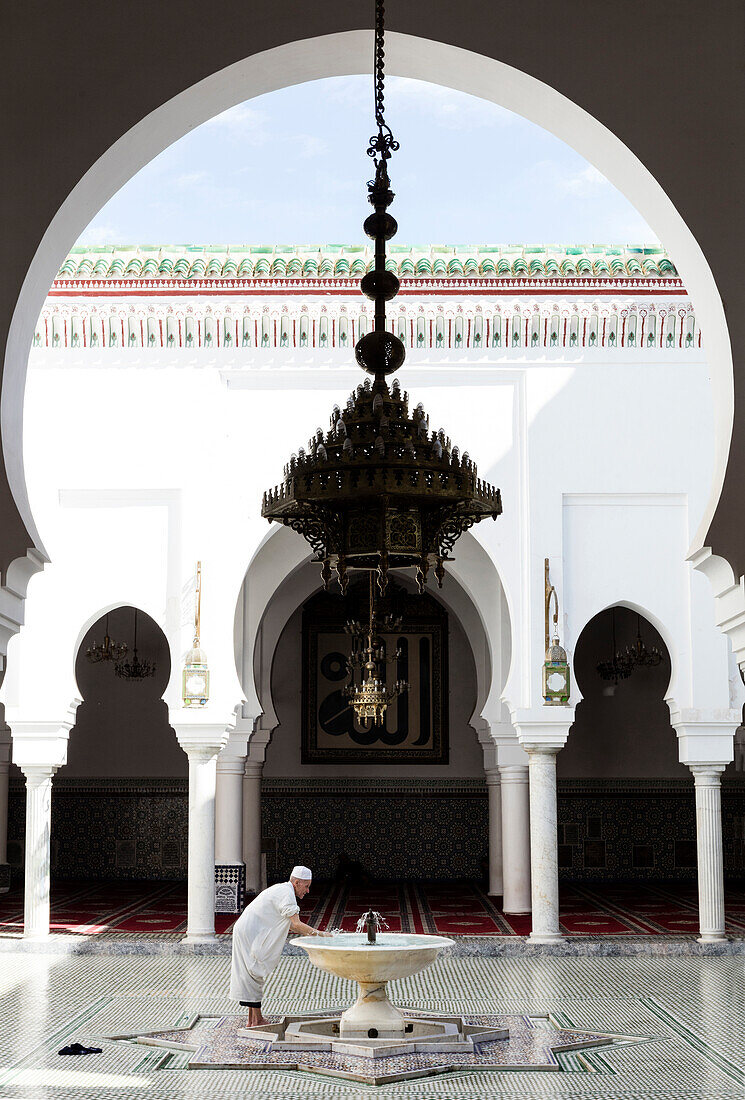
(259, 935)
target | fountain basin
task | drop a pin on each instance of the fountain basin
(395, 955)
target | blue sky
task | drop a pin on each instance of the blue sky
(290, 168)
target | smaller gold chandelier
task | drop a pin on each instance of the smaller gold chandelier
(371, 697)
(109, 650)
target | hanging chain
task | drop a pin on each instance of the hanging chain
(382, 144)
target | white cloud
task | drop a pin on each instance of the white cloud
(444, 106)
(95, 235)
(243, 123)
(191, 179)
(307, 146)
(588, 181)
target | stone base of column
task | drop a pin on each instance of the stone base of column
(4, 878)
(711, 937)
(230, 887)
(545, 937)
(200, 937)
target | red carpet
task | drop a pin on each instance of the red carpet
(453, 909)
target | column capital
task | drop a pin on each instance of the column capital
(543, 729)
(41, 741)
(705, 738)
(228, 764)
(201, 733)
(492, 776)
(513, 773)
(253, 769)
(707, 775)
(37, 774)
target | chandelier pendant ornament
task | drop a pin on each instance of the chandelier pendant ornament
(380, 490)
(370, 696)
(109, 650)
(135, 669)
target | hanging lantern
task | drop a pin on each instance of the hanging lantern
(556, 689)
(195, 678)
(556, 684)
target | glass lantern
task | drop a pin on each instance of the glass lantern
(195, 680)
(556, 688)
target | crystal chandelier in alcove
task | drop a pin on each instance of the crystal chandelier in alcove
(380, 489)
(135, 669)
(109, 650)
(620, 666)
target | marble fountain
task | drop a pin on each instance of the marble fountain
(373, 1041)
(373, 1028)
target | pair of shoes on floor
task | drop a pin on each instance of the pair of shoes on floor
(76, 1048)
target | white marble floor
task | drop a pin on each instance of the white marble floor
(691, 1010)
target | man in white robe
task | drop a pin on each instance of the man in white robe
(259, 935)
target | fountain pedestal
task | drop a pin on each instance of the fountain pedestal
(372, 1011)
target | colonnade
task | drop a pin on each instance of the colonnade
(225, 768)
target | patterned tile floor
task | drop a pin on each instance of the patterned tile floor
(691, 1011)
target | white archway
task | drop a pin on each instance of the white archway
(344, 54)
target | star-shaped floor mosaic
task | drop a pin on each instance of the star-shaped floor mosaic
(533, 1043)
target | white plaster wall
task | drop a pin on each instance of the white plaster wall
(137, 470)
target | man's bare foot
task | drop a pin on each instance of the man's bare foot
(255, 1018)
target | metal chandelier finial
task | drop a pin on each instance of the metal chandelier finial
(382, 144)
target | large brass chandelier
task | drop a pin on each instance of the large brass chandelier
(380, 489)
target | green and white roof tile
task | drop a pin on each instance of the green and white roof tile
(235, 263)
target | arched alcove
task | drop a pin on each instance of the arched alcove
(119, 809)
(626, 811)
(620, 730)
(398, 819)
(121, 726)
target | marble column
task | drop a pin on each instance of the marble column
(515, 838)
(202, 740)
(544, 854)
(252, 825)
(229, 810)
(708, 780)
(200, 923)
(494, 790)
(38, 826)
(229, 869)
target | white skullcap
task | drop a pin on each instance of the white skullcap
(301, 872)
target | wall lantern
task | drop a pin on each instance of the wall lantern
(556, 689)
(195, 679)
